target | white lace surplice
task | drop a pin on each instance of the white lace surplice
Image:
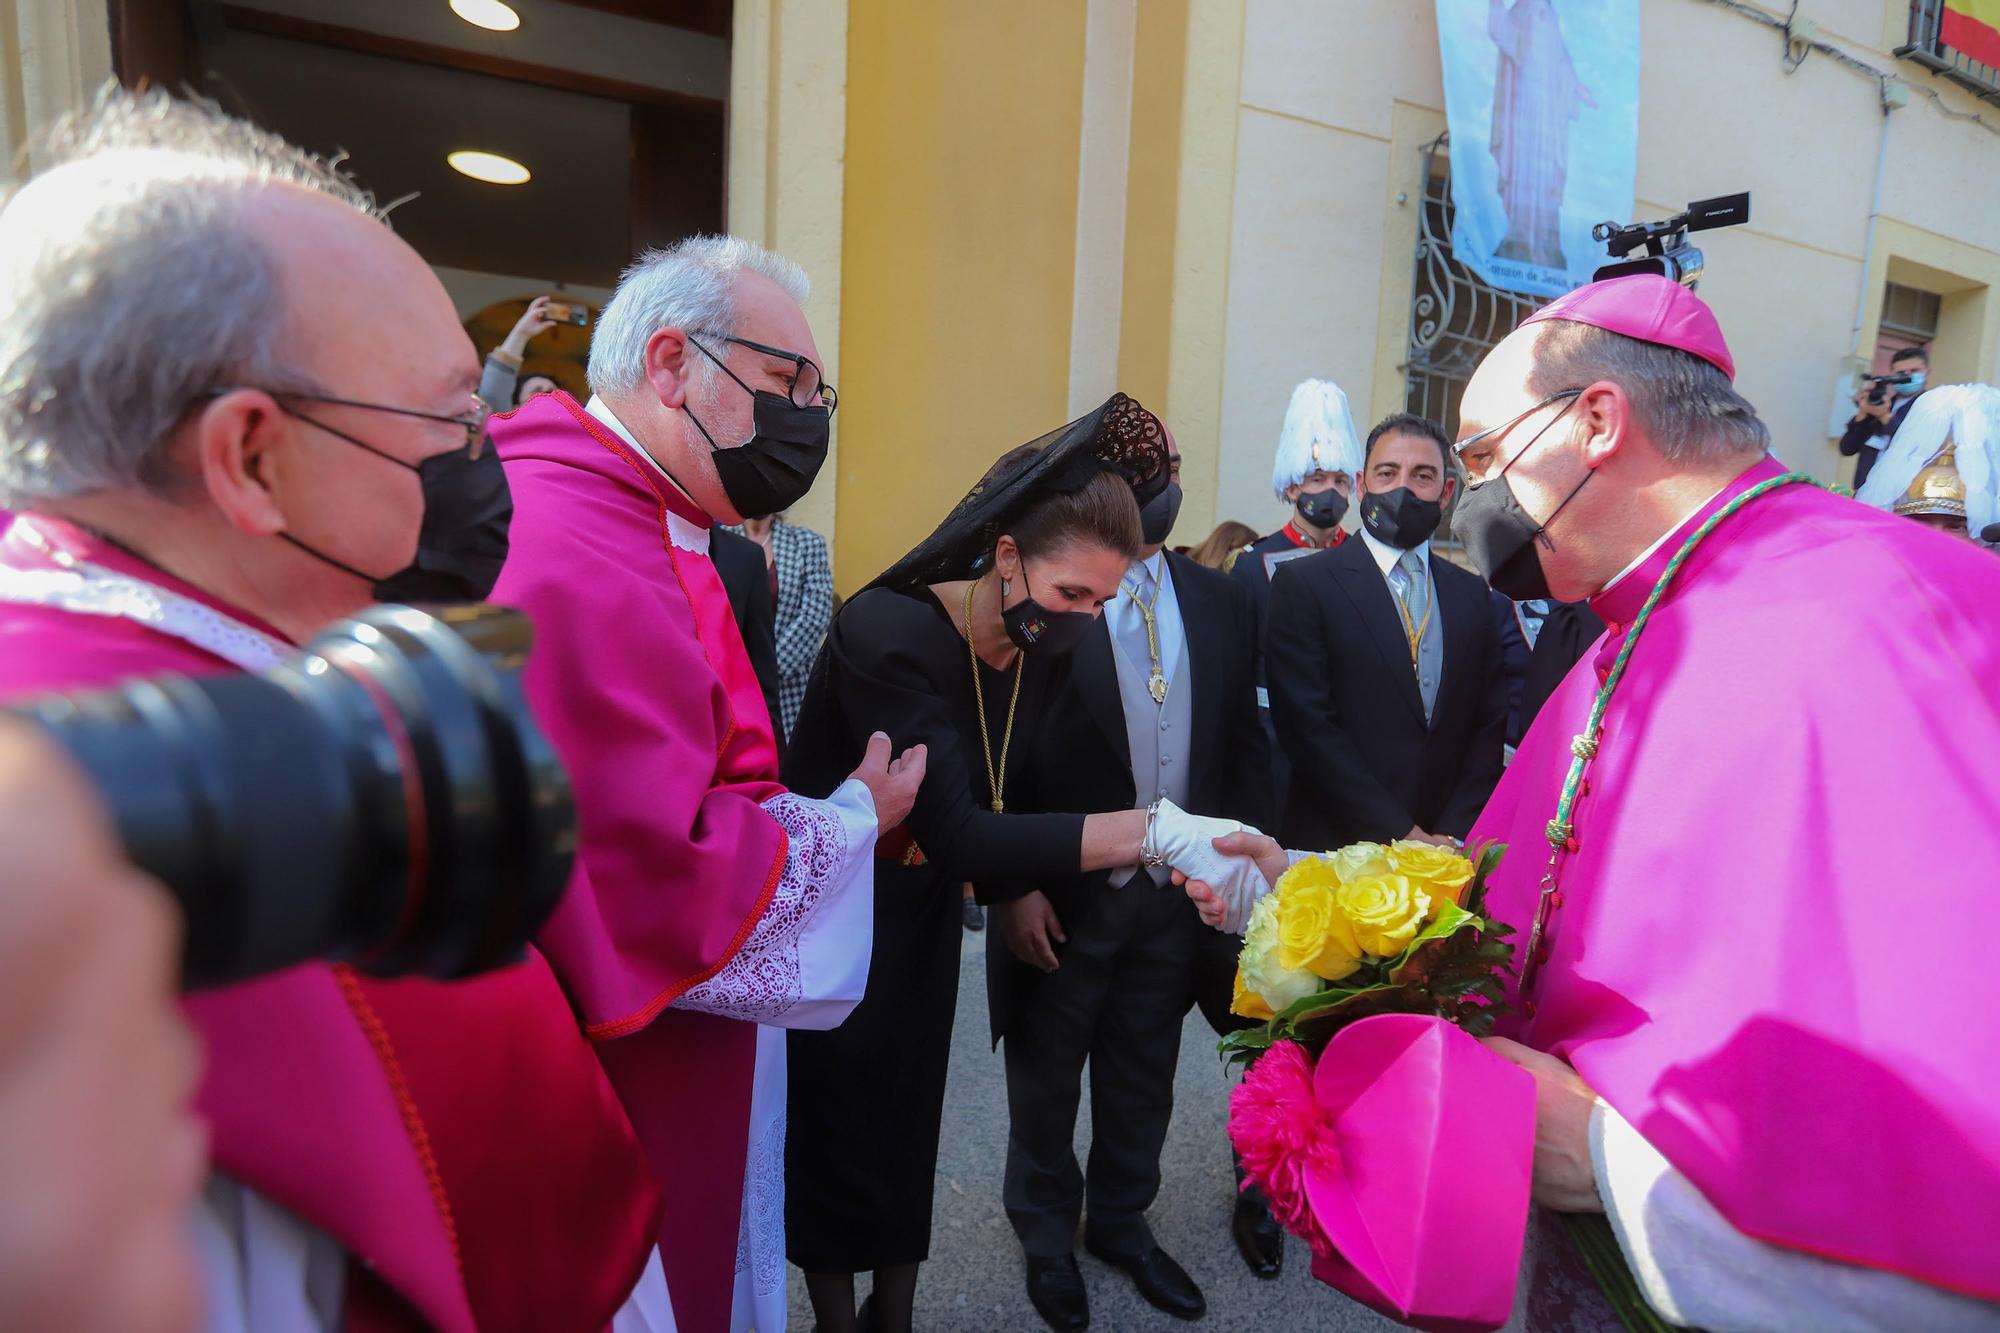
(804, 966)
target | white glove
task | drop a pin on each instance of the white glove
(1187, 843)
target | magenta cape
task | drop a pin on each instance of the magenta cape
(1770, 954)
(640, 678)
(458, 1140)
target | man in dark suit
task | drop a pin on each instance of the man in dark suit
(1101, 968)
(1384, 665)
(739, 563)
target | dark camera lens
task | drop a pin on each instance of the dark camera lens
(383, 798)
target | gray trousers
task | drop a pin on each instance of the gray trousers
(1116, 1002)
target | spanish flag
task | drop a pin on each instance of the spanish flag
(1972, 27)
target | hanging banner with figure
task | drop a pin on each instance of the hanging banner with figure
(1542, 98)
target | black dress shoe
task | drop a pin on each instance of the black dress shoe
(1055, 1287)
(1259, 1238)
(1164, 1283)
(974, 916)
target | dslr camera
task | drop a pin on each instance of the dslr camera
(383, 798)
(1667, 251)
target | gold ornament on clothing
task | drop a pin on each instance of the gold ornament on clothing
(1156, 681)
(996, 778)
(1415, 633)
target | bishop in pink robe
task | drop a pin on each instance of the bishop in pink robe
(1764, 954)
(1761, 944)
(711, 908)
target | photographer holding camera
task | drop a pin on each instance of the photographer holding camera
(1880, 404)
(209, 454)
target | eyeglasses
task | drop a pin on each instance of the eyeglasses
(473, 423)
(808, 387)
(1475, 467)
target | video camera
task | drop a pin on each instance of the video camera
(382, 798)
(1667, 250)
(1879, 385)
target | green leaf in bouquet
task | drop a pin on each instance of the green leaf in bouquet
(1339, 1001)
(1450, 919)
(1330, 998)
(1240, 1047)
(1485, 859)
(1316, 1028)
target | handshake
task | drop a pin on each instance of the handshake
(1226, 865)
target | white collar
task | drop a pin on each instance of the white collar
(1387, 557)
(91, 589)
(1662, 540)
(600, 409)
(685, 535)
(1157, 567)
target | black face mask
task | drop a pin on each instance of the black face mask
(773, 469)
(1051, 633)
(1400, 518)
(1157, 515)
(462, 541)
(1500, 537)
(1322, 509)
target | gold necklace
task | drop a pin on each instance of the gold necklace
(1156, 683)
(995, 778)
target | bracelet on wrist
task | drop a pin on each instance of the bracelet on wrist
(1149, 853)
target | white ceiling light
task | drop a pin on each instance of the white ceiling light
(488, 14)
(489, 167)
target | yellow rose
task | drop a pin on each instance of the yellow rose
(1359, 860)
(1313, 935)
(1442, 872)
(1246, 1003)
(1263, 970)
(1386, 912)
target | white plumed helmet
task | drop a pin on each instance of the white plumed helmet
(1318, 436)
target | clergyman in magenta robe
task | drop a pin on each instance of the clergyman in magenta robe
(711, 908)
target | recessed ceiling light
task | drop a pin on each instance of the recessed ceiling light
(489, 14)
(489, 167)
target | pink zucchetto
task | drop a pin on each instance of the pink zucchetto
(1650, 308)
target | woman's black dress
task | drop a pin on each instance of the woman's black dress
(866, 1098)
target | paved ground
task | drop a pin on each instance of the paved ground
(973, 1283)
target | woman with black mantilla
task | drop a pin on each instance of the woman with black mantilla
(956, 647)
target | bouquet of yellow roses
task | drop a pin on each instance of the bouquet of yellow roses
(1370, 929)
(1397, 1148)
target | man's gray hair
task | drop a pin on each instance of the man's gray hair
(1685, 404)
(690, 286)
(132, 286)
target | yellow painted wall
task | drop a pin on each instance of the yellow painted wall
(1152, 195)
(958, 255)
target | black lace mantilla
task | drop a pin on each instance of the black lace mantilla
(1120, 436)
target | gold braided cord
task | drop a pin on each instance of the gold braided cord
(995, 778)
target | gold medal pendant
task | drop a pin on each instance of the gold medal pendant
(1157, 687)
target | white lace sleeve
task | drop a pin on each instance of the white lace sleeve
(1699, 1271)
(806, 963)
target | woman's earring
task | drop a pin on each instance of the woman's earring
(1005, 588)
